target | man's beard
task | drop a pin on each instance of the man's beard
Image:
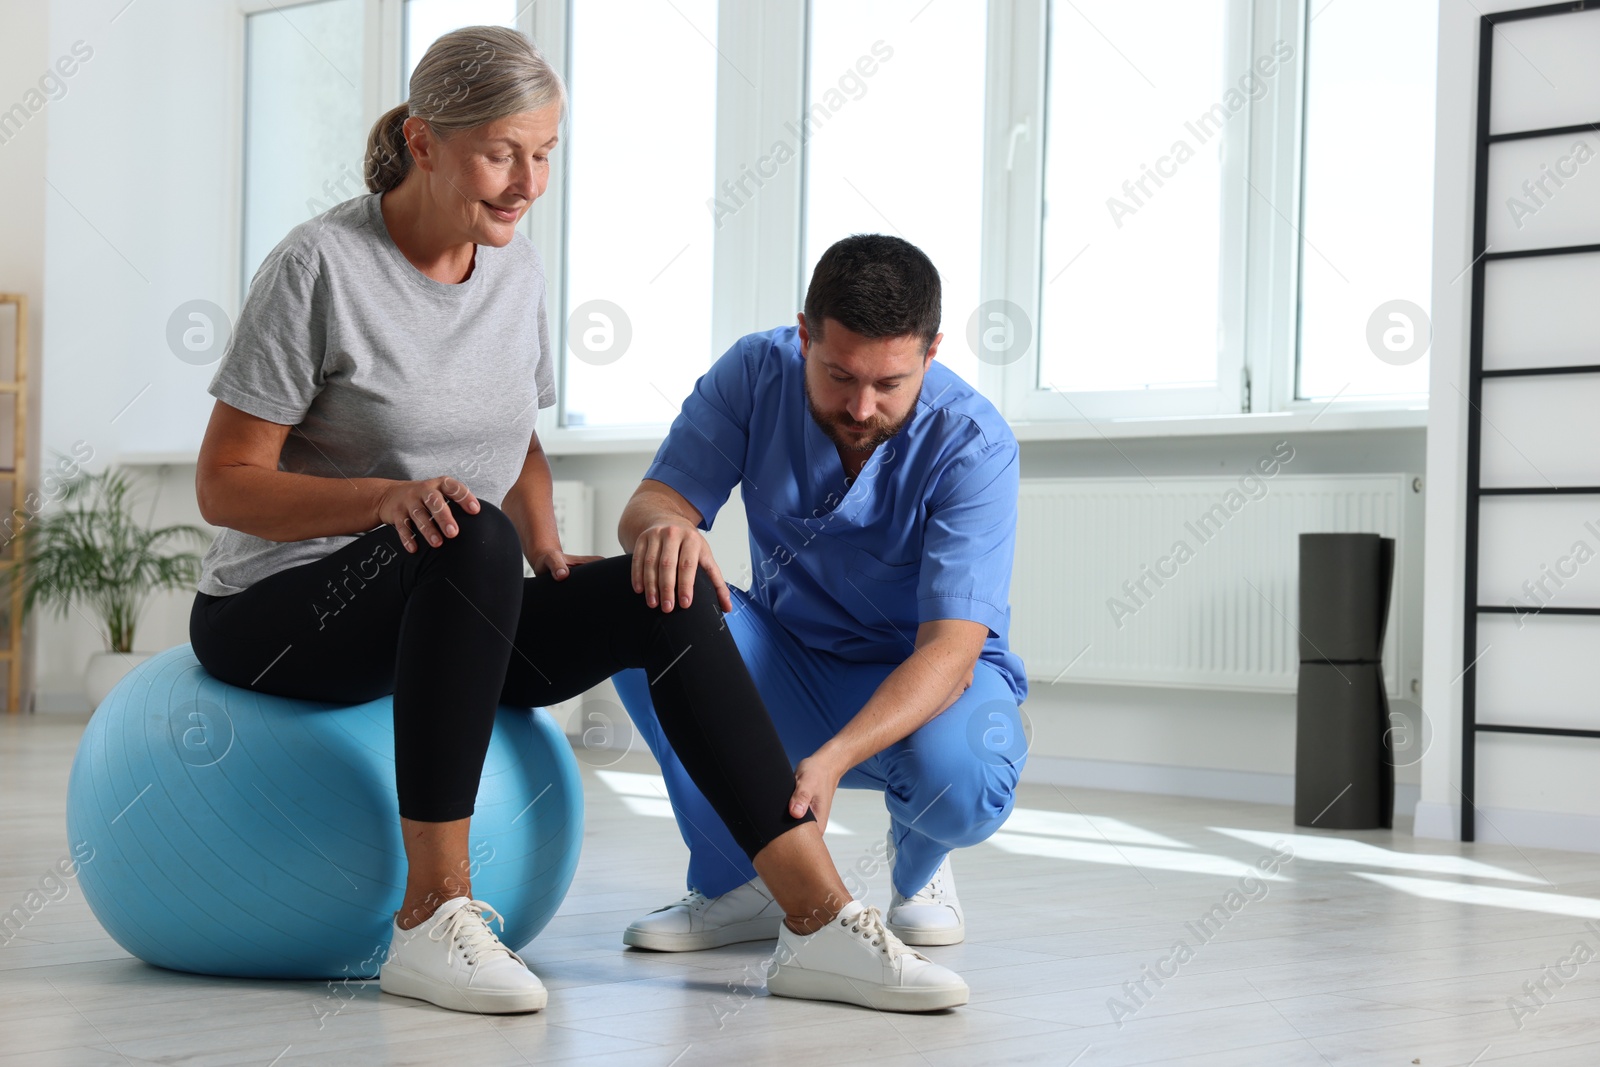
(881, 430)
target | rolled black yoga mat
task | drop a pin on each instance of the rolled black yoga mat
(1344, 596)
(1343, 771)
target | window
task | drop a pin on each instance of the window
(1137, 209)
(304, 132)
(1136, 139)
(895, 141)
(1173, 266)
(1367, 209)
(429, 20)
(639, 234)
(1127, 131)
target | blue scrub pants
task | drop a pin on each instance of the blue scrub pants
(948, 785)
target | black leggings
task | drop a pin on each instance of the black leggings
(456, 630)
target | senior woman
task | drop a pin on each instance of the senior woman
(373, 463)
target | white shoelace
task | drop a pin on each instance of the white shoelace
(468, 927)
(694, 900)
(869, 924)
(933, 892)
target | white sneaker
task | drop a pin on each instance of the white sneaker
(455, 960)
(931, 917)
(696, 922)
(855, 959)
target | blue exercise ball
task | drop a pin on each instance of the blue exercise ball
(223, 831)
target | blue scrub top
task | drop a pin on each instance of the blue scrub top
(926, 531)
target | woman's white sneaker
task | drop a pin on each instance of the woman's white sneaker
(454, 960)
(697, 921)
(855, 959)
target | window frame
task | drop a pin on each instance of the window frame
(1287, 398)
(1016, 135)
(766, 231)
(1259, 304)
(1263, 307)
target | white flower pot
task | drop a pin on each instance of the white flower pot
(106, 670)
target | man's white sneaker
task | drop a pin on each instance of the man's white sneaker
(855, 959)
(454, 960)
(696, 922)
(933, 916)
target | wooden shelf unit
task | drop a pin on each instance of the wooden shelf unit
(11, 633)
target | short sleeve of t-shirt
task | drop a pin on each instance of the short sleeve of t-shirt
(273, 366)
(704, 452)
(969, 540)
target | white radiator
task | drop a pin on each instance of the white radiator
(574, 503)
(1193, 581)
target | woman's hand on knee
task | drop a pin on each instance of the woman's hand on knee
(558, 563)
(425, 505)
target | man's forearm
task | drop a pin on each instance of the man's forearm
(914, 694)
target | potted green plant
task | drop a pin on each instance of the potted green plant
(87, 551)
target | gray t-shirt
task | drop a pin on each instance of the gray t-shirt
(382, 371)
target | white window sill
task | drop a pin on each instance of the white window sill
(635, 440)
(1318, 419)
(602, 440)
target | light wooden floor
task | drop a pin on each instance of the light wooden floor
(1374, 949)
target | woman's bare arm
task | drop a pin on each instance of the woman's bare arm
(238, 485)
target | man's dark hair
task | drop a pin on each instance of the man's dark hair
(876, 286)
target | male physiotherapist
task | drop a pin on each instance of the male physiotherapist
(881, 494)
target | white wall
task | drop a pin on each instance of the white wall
(138, 217)
(1191, 742)
(1533, 791)
(1188, 742)
(1166, 740)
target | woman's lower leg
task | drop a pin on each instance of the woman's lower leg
(437, 867)
(593, 624)
(799, 873)
(453, 647)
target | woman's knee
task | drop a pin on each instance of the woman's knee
(705, 590)
(703, 612)
(486, 539)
